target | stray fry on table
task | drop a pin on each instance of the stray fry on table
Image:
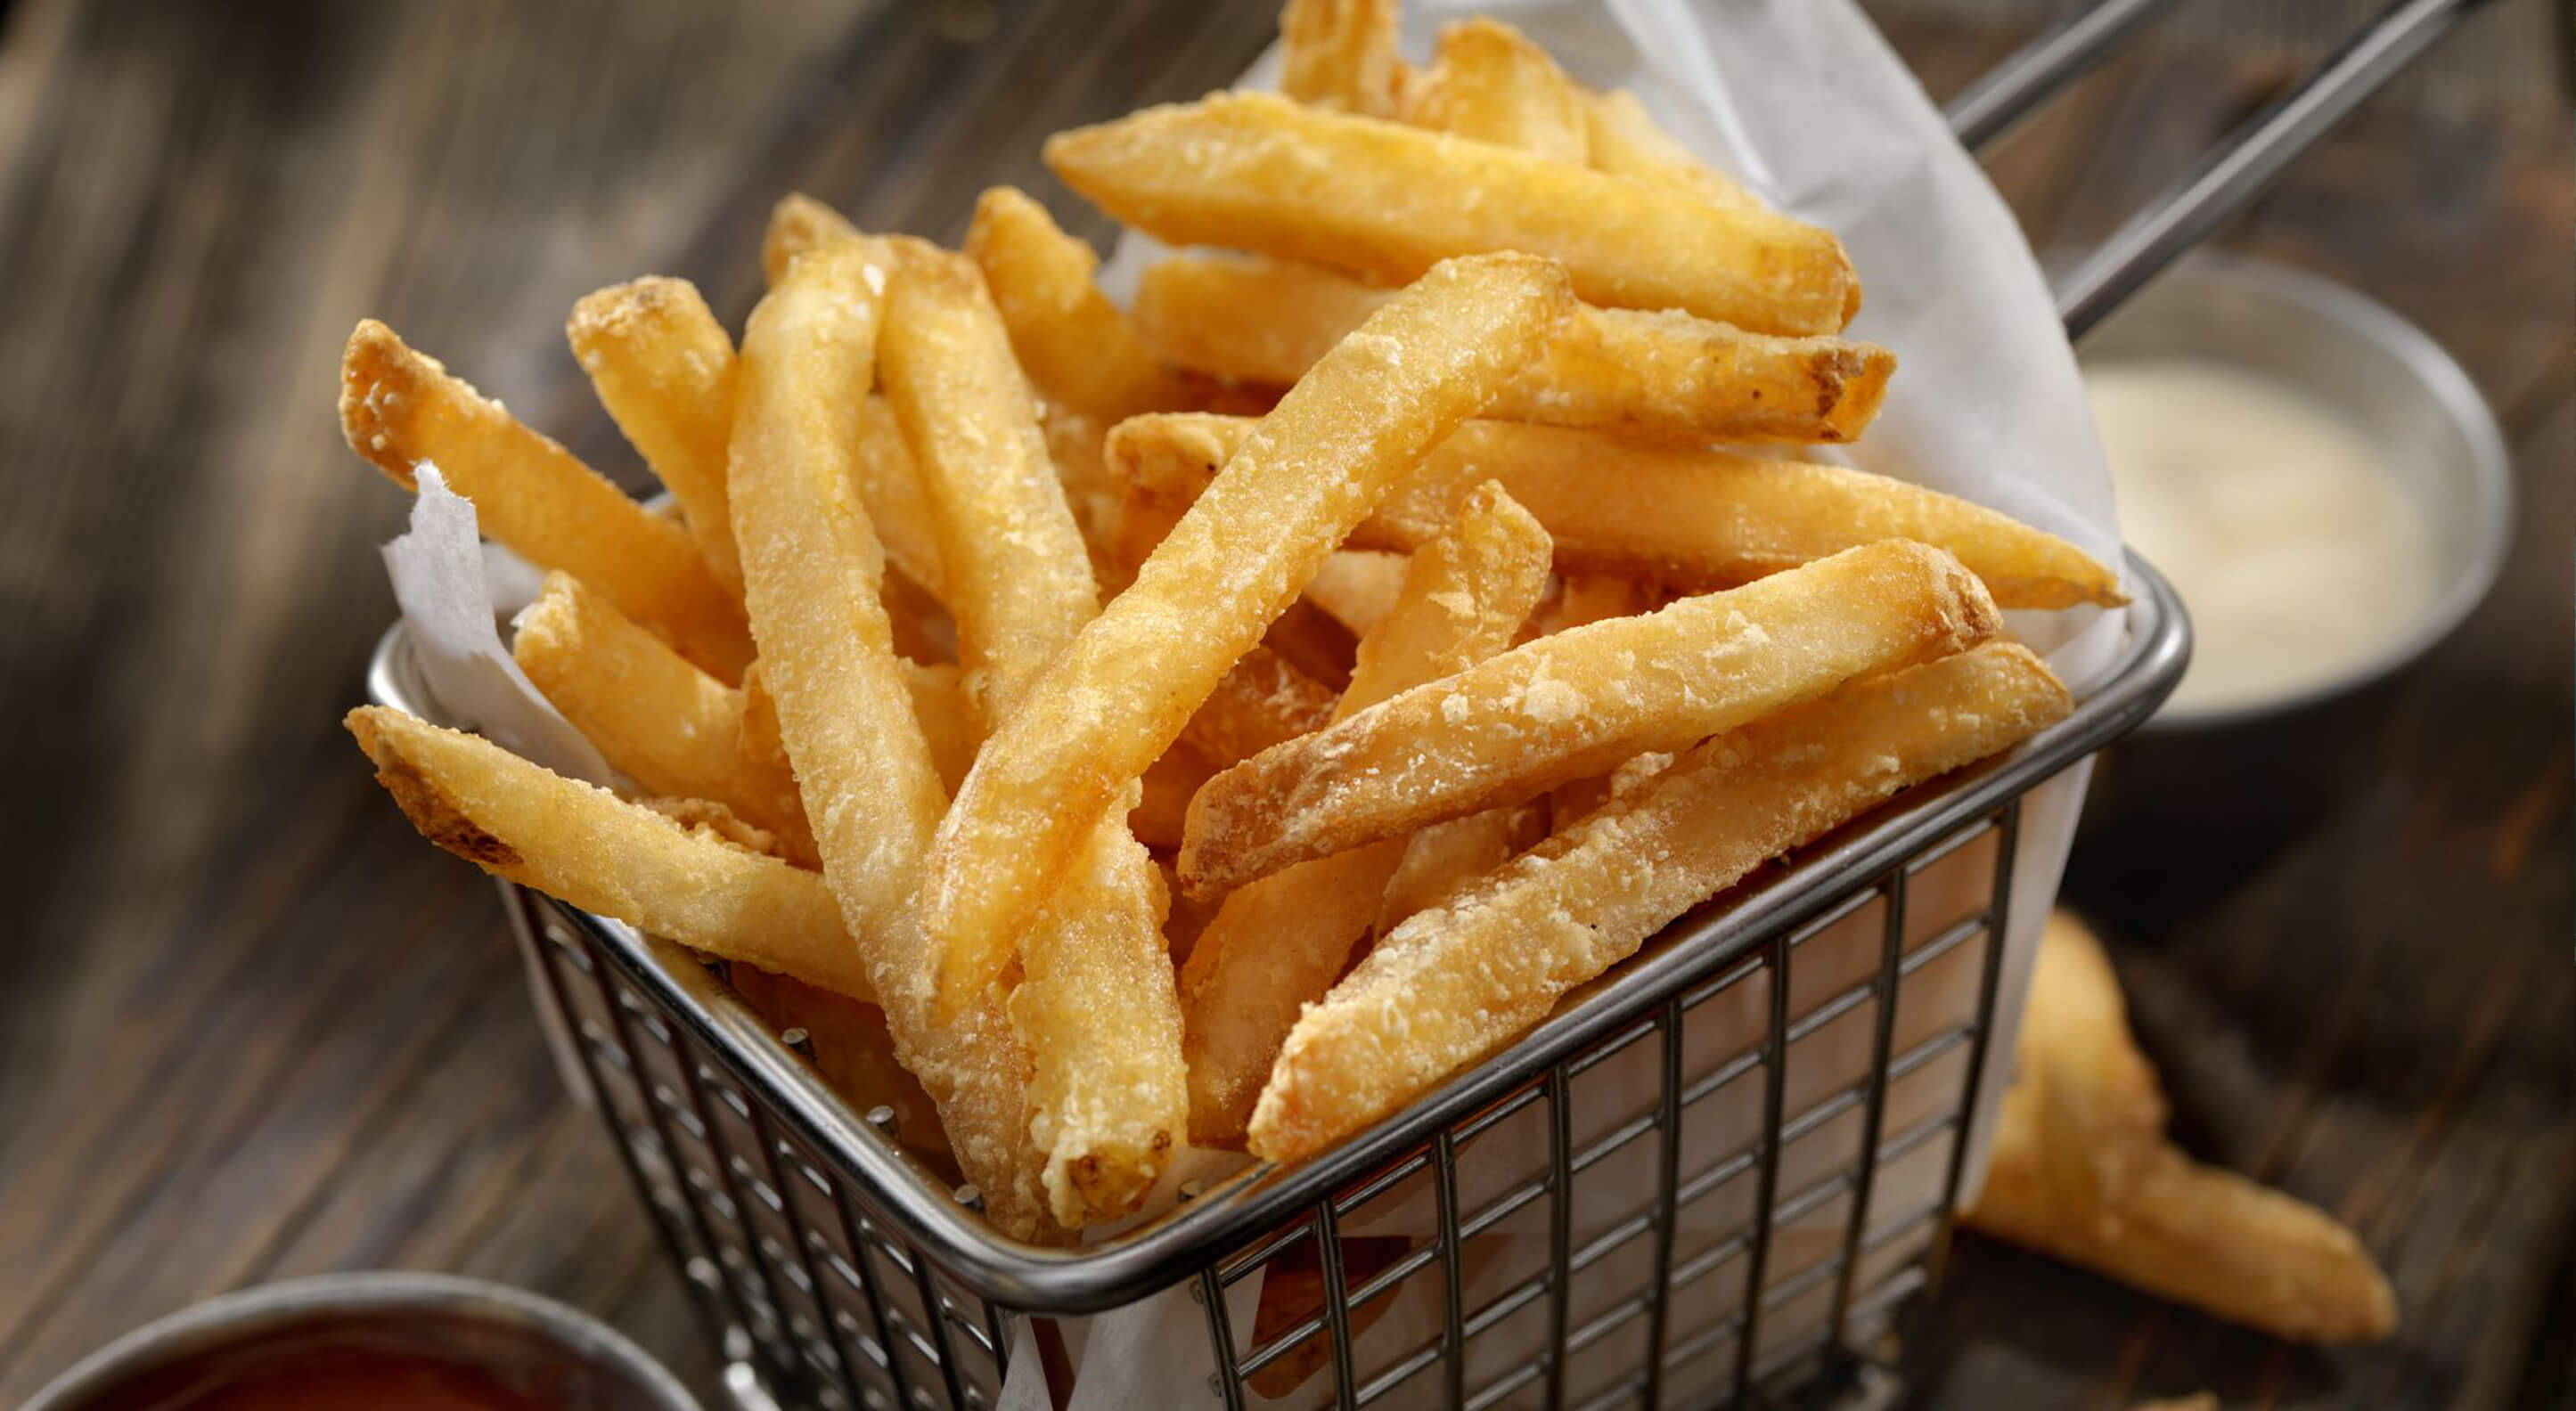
(2081, 1170)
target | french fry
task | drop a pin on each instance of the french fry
(1340, 54)
(1279, 943)
(2081, 1170)
(1625, 141)
(1664, 376)
(669, 726)
(1095, 1002)
(1018, 577)
(1074, 343)
(1097, 1005)
(854, 1051)
(797, 224)
(1118, 695)
(1578, 600)
(1489, 82)
(1688, 518)
(1444, 860)
(938, 694)
(399, 407)
(1355, 587)
(811, 566)
(1573, 705)
(1262, 701)
(1451, 984)
(664, 369)
(1254, 171)
(889, 487)
(889, 484)
(598, 852)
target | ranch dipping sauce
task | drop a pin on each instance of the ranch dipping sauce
(2282, 527)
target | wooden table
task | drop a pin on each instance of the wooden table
(254, 1028)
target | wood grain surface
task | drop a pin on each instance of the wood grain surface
(253, 1028)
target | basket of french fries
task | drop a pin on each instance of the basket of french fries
(1383, 821)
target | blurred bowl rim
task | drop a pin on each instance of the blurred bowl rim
(245, 1315)
(2490, 473)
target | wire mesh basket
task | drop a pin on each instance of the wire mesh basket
(1721, 1166)
(1715, 1171)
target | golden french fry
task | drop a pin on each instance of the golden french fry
(889, 487)
(1340, 53)
(1095, 1002)
(598, 852)
(1117, 696)
(1489, 82)
(1254, 171)
(811, 566)
(669, 726)
(1451, 984)
(1018, 577)
(1664, 376)
(1355, 587)
(799, 223)
(1262, 701)
(938, 694)
(1573, 705)
(2081, 1170)
(1074, 343)
(1625, 141)
(1446, 859)
(399, 407)
(664, 369)
(1279, 943)
(1689, 518)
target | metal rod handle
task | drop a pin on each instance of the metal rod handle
(2238, 170)
(2033, 74)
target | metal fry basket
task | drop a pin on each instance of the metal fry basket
(1719, 1168)
(1710, 1175)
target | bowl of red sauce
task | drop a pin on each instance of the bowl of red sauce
(394, 1341)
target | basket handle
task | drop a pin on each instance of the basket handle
(2231, 175)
